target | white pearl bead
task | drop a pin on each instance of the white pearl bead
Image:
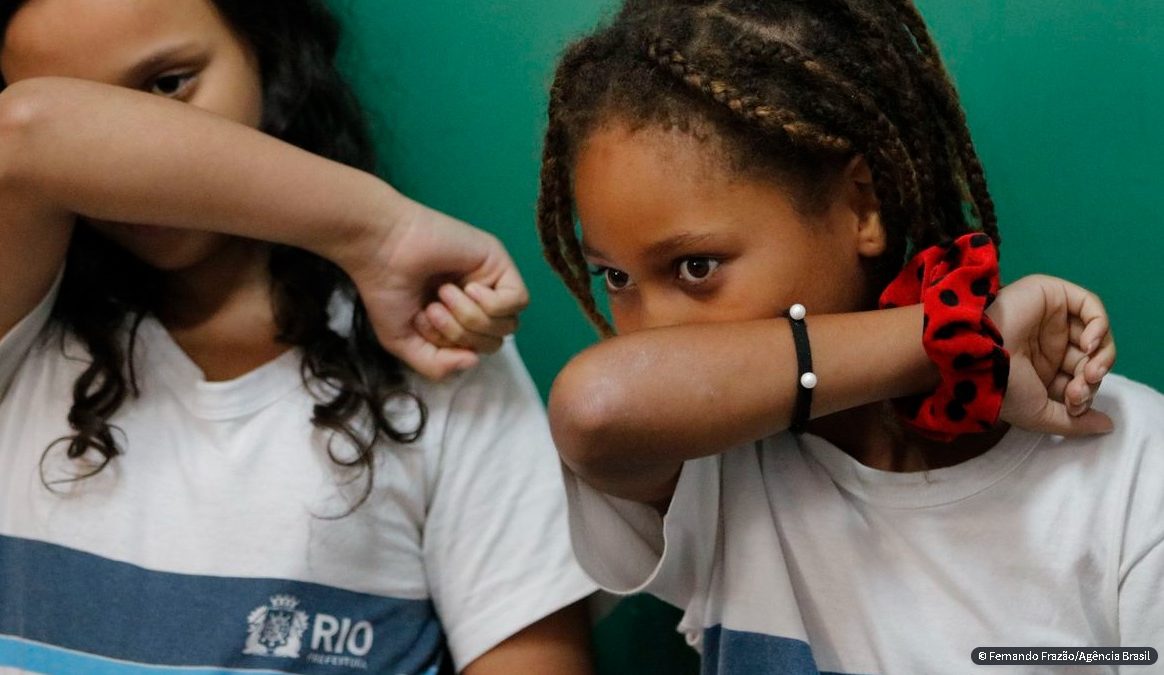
(797, 312)
(808, 380)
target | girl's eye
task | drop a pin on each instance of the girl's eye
(172, 86)
(697, 270)
(616, 280)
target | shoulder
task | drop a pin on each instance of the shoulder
(1138, 413)
(1124, 469)
(1135, 444)
(491, 411)
(498, 378)
(22, 340)
(1137, 406)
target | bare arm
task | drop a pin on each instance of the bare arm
(628, 412)
(72, 147)
(559, 644)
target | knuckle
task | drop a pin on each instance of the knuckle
(475, 322)
(447, 326)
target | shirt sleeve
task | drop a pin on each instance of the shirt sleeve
(1141, 585)
(627, 547)
(19, 341)
(1141, 613)
(496, 548)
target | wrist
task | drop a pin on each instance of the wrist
(370, 234)
(955, 283)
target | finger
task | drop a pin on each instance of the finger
(1054, 419)
(1072, 359)
(1095, 338)
(1088, 308)
(512, 286)
(447, 325)
(430, 361)
(470, 314)
(429, 332)
(1078, 394)
(1093, 333)
(1102, 360)
(1058, 387)
(501, 300)
(1075, 327)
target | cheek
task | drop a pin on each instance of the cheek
(233, 86)
(817, 271)
(763, 285)
(624, 317)
(246, 100)
(253, 98)
(840, 279)
(232, 96)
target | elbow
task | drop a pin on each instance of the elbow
(20, 105)
(25, 108)
(583, 409)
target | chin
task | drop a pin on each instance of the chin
(165, 249)
(172, 258)
(171, 263)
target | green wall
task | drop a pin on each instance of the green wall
(1064, 97)
(1065, 102)
(458, 93)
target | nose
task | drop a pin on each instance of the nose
(666, 308)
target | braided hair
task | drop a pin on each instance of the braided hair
(790, 89)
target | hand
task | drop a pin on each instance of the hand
(1060, 346)
(438, 291)
(464, 318)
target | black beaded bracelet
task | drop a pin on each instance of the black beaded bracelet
(806, 379)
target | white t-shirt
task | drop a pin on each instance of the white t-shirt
(212, 542)
(789, 556)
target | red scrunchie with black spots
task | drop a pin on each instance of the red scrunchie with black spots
(956, 283)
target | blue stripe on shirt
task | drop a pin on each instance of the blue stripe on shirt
(87, 605)
(736, 652)
(38, 658)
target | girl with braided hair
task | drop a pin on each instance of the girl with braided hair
(722, 165)
(222, 445)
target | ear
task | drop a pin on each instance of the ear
(860, 200)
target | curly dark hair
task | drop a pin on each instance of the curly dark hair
(790, 89)
(306, 103)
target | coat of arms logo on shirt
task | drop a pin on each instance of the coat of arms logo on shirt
(276, 629)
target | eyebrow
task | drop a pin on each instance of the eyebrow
(591, 252)
(680, 242)
(660, 249)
